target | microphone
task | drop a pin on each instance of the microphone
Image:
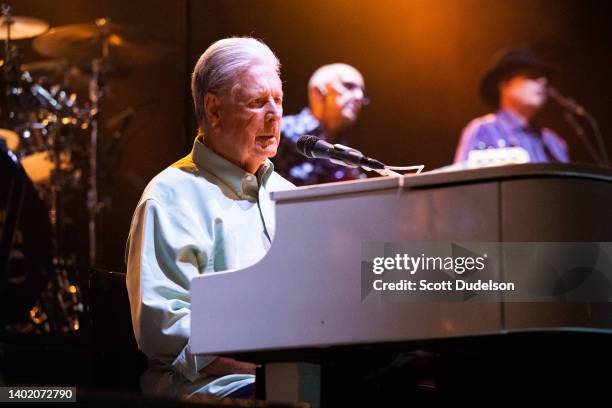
(315, 148)
(567, 103)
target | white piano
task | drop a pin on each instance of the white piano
(306, 292)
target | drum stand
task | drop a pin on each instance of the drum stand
(7, 13)
(96, 94)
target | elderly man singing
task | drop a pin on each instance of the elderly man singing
(208, 212)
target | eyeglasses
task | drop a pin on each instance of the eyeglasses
(357, 88)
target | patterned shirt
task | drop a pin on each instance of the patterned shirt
(505, 129)
(301, 170)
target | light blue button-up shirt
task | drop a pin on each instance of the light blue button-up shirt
(201, 215)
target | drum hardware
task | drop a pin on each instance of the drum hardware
(32, 117)
(16, 28)
(60, 305)
(57, 71)
(118, 46)
(19, 28)
(109, 49)
(57, 137)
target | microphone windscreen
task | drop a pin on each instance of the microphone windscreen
(305, 144)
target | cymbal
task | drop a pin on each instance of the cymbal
(47, 66)
(22, 27)
(58, 71)
(75, 76)
(116, 45)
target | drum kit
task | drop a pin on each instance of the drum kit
(49, 155)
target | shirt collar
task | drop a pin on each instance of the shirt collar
(245, 185)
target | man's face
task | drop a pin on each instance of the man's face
(250, 117)
(345, 99)
(342, 99)
(526, 90)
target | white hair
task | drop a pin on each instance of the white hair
(221, 63)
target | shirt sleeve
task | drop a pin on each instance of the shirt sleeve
(556, 145)
(165, 251)
(471, 135)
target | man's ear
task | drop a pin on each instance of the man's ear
(211, 110)
(316, 95)
(316, 100)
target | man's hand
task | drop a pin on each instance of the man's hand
(225, 366)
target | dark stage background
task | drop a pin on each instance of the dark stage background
(421, 60)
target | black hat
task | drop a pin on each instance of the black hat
(506, 63)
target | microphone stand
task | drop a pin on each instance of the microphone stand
(579, 131)
(573, 108)
(598, 137)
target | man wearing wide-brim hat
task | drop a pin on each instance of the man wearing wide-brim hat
(516, 85)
